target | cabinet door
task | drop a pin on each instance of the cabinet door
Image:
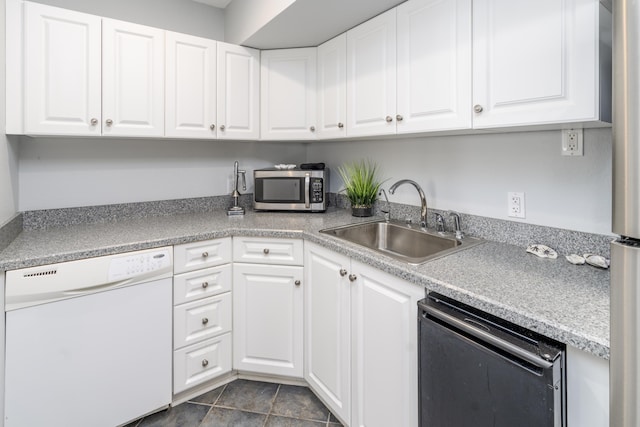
(267, 319)
(434, 65)
(190, 101)
(534, 61)
(132, 79)
(238, 92)
(332, 88)
(62, 71)
(385, 349)
(287, 99)
(327, 328)
(371, 77)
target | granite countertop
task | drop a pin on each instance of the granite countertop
(565, 302)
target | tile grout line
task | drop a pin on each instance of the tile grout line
(273, 400)
(213, 405)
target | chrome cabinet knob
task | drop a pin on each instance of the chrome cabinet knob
(352, 277)
(222, 127)
(205, 285)
(340, 125)
(212, 127)
(343, 272)
(109, 122)
(312, 128)
(297, 283)
(205, 363)
(205, 254)
(266, 251)
(389, 119)
(477, 108)
(205, 320)
(94, 122)
(399, 118)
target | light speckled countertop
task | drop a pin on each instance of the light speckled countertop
(562, 301)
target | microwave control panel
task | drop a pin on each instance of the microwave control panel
(316, 190)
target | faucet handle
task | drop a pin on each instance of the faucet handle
(439, 223)
(456, 224)
(244, 179)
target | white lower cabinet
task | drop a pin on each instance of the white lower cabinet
(361, 340)
(267, 313)
(202, 319)
(587, 389)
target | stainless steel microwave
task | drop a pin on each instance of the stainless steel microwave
(291, 190)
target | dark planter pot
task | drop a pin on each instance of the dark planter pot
(362, 211)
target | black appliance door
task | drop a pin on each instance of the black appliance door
(465, 381)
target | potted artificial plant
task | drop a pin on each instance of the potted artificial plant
(361, 185)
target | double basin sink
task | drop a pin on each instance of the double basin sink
(404, 242)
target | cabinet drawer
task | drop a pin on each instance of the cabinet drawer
(262, 250)
(201, 362)
(197, 255)
(201, 284)
(202, 319)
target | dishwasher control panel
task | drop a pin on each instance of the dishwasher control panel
(47, 283)
(138, 264)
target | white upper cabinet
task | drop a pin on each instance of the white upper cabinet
(434, 65)
(288, 94)
(537, 62)
(190, 99)
(132, 79)
(332, 88)
(238, 92)
(62, 71)
(371, 77)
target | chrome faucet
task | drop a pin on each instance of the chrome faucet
(387, 213)
(423, 199)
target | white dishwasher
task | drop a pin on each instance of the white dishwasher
(88, 342)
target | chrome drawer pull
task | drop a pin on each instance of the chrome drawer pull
(266, 251)
(205, 362)
(205, 320)
(205, 254)
(343, 272)
(205, 285)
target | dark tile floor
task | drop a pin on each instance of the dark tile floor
(245, 403)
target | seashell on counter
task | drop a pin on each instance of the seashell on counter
(575, 259)
(597, 260)
(542, 251)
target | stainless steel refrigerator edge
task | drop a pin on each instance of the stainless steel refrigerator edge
(625, 252)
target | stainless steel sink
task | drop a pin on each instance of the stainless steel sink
(404, 242)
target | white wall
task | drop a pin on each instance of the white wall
(245, 17)
(57, 173)
(8, 154)
(473, 173)
(184, 16)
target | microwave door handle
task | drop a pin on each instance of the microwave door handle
(306, 191)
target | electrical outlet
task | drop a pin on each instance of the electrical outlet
(572, 142)
(516, 205)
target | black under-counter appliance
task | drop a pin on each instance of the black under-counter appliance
(478, 370)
